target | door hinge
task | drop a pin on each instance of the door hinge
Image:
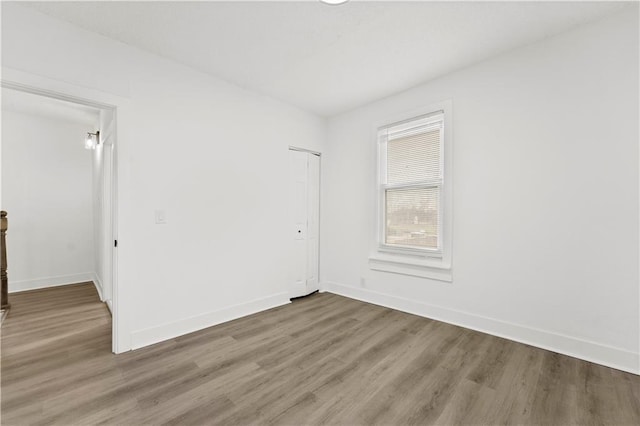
(115, 243)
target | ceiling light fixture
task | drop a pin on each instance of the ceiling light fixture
(92, 140)
(334, 2)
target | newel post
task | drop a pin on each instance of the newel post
(4, 293)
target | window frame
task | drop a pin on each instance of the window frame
(412, 260)
(432, 120)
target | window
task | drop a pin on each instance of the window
(410, 183)
(414, 197)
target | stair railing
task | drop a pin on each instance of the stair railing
(4, 291)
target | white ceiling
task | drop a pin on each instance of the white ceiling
(27, 103)
(327, 59)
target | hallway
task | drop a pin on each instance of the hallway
(53, 340)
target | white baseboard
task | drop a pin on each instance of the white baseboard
(98, 284)
(589, 351)
(167, 331)
(38, 283)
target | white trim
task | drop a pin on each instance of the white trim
(98, 284)
(410, 251)
(403, 265)
(120, 332)
(609, 356)
(45, 86)
(45, 282)
(409, 260)
(295, 148)
(109, 305)
(167, 331)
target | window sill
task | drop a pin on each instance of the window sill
(436, 269)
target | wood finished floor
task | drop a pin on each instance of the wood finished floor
(321, 360)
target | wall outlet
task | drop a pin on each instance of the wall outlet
(161, 217)
(363, 282)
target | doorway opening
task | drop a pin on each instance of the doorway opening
(59, 194)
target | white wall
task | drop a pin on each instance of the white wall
(545, 244)
(46, 188)
(214, 156)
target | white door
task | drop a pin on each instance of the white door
(305, 211)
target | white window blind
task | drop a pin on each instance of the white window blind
(411, 179)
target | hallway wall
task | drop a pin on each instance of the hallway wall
(46, 190)
(102, 206)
